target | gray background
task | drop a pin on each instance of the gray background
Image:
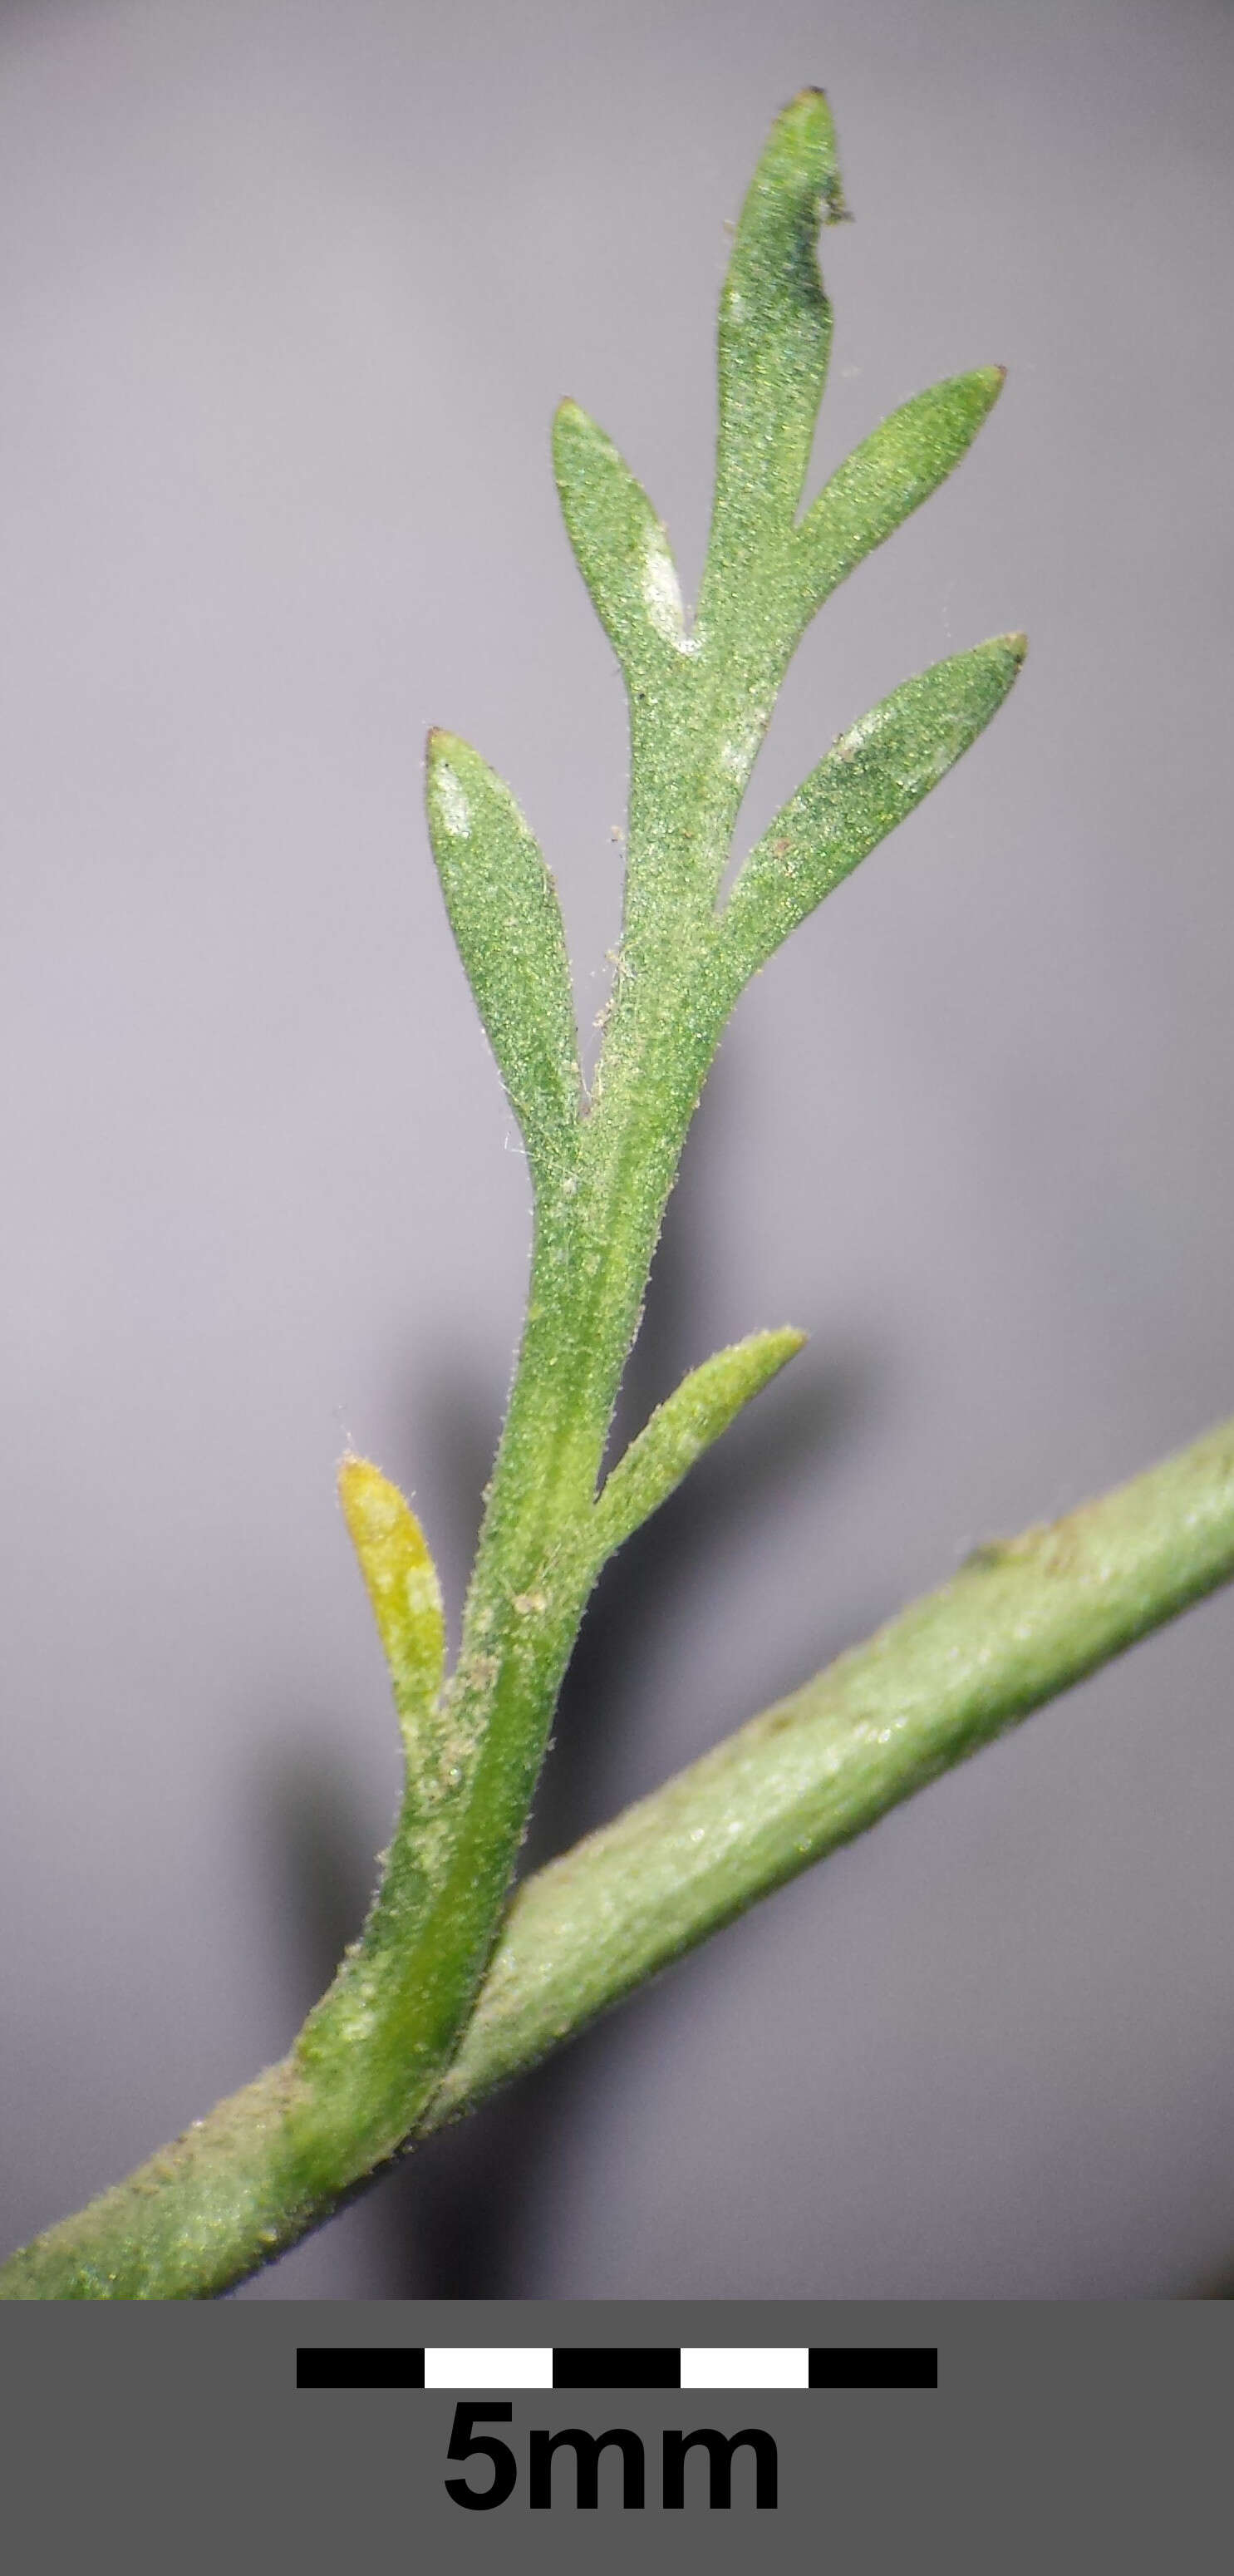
(1099, 2425)
(1106, 2427)
(289, 293)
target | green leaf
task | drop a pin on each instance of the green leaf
(775, 335)
(368, 2066)
(890, 474)
(507, 922)
(402, 1585)
(874, 775)
(620, 546)
(692, 1418)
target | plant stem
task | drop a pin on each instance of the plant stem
(375, 2048)
(1021, 1621)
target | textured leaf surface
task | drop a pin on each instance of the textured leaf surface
(775, 331)
(621, 547)
(692, 1418)
(401, 1581)
(507, 922)
(874, 775)
(890, 474)
(370, 2060)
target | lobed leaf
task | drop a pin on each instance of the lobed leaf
(507, 923)
(620, 546)
(401, 1581)
(368, 2066)
(775, 334)
(893, 471)
(679, 1430)
(874, 775)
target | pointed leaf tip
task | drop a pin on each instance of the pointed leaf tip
(806, 130)
(871, 779)
(620, 546)
(682, 1428)
(774, 339)
(887, 477)
(401, 1580)
(507, 923)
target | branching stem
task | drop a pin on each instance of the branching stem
(1020, 1622)
(386, 2050)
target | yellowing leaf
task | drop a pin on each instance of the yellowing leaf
(402, 1585)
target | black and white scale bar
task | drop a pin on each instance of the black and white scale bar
(501, 2367)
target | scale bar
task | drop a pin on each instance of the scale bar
(496, 2368)
(874, 2366)
(617, 2366)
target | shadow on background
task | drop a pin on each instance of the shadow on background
(458, 2220)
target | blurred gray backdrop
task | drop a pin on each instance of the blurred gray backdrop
(290, 289)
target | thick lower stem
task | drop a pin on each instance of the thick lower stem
(1019, 1623)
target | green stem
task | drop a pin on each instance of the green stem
(373, 2051)
(1020, 1622)
(375, 2048)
